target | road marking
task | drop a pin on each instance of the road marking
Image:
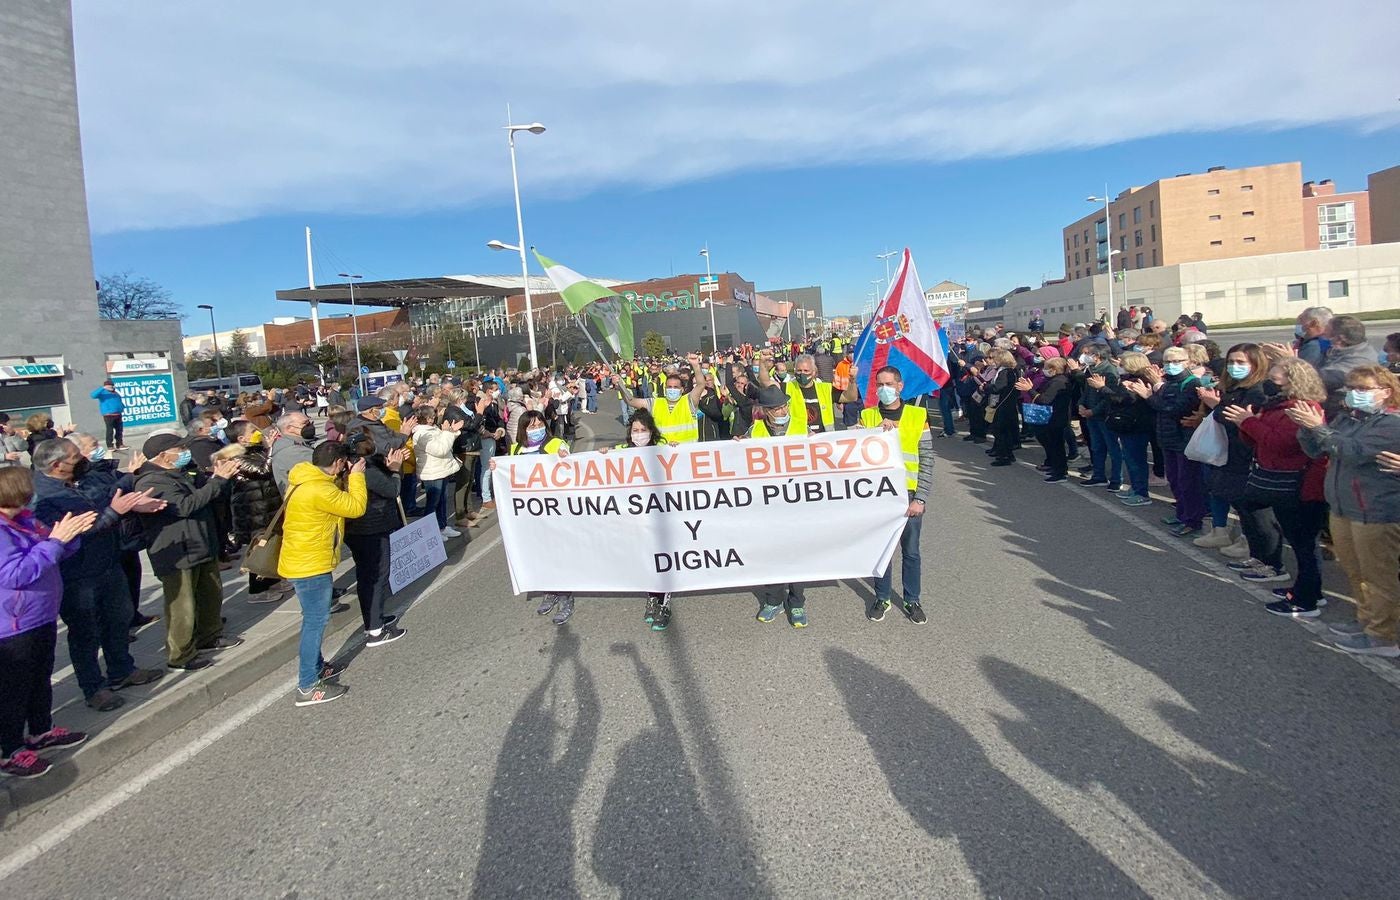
(62, 832)
(1254, 596)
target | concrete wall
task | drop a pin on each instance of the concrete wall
(48, 301)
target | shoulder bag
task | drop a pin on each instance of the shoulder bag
(265, 550)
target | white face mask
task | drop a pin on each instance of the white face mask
(641, 438)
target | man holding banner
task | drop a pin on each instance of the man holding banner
(916, 445)
(777, 422)
(674, 412)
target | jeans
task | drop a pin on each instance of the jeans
(592, 405)
(437, 494)
(1184, 475)
(1220, 512)
(371, 555)
(910, 566)
(314, 594)
(850, 414)
(1105, 449)
(408, 492)
(1134, 450)
(947, 401)
(98, 614)
(1301, 523)
(114, 430)
(488, 450)
(26, 669)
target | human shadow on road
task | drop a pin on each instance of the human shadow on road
(655, 837)
(528, 844)
(944, 780)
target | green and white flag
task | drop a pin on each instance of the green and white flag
(608, 310)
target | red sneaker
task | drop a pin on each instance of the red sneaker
(56, 737)
(24, 764)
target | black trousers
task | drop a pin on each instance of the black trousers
(1301, 523)
(1006, 430)
(114, 430)
(1053, 440)
(371, 555)
(131, 571)
(976, 421)
(26, 665)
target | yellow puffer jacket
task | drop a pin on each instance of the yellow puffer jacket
(315, 520)
(394, 422)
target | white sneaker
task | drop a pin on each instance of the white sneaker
(1239, 549)
(450, 532)
(1215, 539)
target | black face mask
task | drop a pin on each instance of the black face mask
(308, 431)
(1269, 388)
(80, 468)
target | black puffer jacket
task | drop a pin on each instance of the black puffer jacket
(382, 514)
(255, 498)
(184, 534)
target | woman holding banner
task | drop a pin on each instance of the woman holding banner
(532, 436)
(643, 432)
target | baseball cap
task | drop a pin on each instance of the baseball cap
(365, 403)
(157, 444)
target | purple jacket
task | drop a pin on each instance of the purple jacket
(31, 586)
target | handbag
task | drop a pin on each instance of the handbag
(265, 550)
(1210, 444)
(1272, 487)
(1036, 413)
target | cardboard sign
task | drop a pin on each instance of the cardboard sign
(414, 551)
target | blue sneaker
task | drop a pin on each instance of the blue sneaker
(1136, 500)
(769, 612)
(798, 617)
(1171, 521)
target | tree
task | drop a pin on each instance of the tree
(328, 357)
(237, 357)
(127, 296)
(653, 344)
(200, 364)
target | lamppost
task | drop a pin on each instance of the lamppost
(355, 329)
(714, 338)
(886, 257)
(1108, 237)
(533, 128)
(214, 336)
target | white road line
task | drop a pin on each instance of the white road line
(1253, 595)
(62, 832)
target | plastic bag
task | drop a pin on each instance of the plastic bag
(1210, 444)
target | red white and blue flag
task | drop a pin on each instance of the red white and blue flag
(903, 334)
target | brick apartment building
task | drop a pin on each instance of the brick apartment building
(1219, 214)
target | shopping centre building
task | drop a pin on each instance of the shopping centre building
(54, 350)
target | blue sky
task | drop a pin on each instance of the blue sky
(797, 146)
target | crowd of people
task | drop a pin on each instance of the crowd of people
(1262, 445)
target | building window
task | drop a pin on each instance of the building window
(1213, 191)
(1337, 289)
(1122, 221)
(1249, 240)
(1215, 218)
(1215, 295)
(1151, 209)
(1076, 259)
(1331, 235)
(1076, 241)
(1086, 235)
(1139, 261)
(1137, 238)
(1154, 257)
(1254, 291)
(1154, 234)
(1216, 243)
(1137, 215)
(1297, 292)
(1123, 242)
(1246, 187)
(1336, 212)
(1247, 213)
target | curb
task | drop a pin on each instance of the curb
(161, 716)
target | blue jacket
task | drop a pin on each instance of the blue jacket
(31, 587)
(109, 403)
(99, 553)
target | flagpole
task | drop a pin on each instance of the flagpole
(583, 326)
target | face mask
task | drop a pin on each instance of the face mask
(641, 438)
(1269, 388)
(887, 394)
(308, 432)
(184, 459)
(98, 453)
(1365, 401)
(673, 394)
(1237, 370)
(1298, 331)
(535, 436)
(803, 380)
(781, 421)
(1085, 359)
(1208, 380)
(80, 469)
(1174, 368)
(755, 368)
(1038, 360)
(255, 439)
(221, 425)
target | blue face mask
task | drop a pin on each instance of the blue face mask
(1298, 331)
(184, 459)
(1174, 368)
(1364, 401)
(673, 394)
(98, 453)
(535, 436)
(887, 394)
(1237, 370)
(781, 421)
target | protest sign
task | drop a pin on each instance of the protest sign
(414, 551)
(701, 516)
(147, 399)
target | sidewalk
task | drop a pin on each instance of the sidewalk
(271, 632)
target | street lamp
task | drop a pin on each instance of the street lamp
(533, 128)
(886, 257)
(1108, 237)
(355, 329)
(214, 336)
(714, 338)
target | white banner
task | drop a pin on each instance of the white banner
(414, 551)
(702, 516)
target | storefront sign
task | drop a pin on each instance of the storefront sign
(683, 518)
(31, 370)
(119, 366)
(666, 301)
(147, 399)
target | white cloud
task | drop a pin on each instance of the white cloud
(199, 113)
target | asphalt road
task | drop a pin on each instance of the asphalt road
(1090, 712)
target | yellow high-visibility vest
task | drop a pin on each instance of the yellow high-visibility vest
(760, 430)
(677, 424)
(550, 446)
(913, 422)
(797, 404)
